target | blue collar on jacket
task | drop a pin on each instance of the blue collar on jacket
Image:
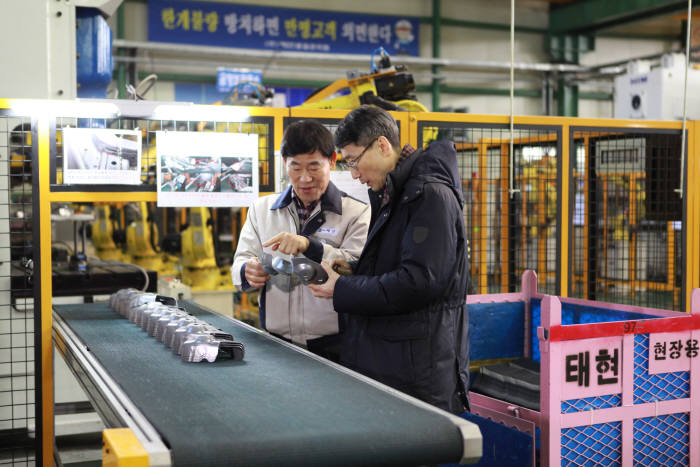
(331, 200)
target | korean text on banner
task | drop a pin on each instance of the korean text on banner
(287, 29)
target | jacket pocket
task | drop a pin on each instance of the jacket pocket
(401, 349)
(398, 328)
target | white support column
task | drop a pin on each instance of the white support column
(38, 53)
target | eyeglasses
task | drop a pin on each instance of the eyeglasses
(353, 163)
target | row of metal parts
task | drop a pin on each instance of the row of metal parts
(190, 337)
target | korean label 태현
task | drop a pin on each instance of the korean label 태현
(592, 367)
(273, 28)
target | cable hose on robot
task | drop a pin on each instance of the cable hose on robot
(215, 239)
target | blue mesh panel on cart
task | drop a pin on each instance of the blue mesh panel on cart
(591, 403)
(592, 445)
(577, 314)
(659, 387)
(661, 441)
(535, 321)
(496, 330)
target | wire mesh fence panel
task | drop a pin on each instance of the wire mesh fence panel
(627, 223)
(510, 215)
(662, 440)
(19, 444)
(592, 445)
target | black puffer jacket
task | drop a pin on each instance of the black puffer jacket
(403, 313)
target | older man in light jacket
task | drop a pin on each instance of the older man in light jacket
(311, 217)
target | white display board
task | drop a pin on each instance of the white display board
(206, 169)
(101, 156)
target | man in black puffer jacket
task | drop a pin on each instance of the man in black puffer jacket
(403, 314)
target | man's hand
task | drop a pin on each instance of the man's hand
(255, 274)
(326, 289)
(341, 266)
(288, 243)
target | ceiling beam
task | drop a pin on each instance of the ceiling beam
(593, 15)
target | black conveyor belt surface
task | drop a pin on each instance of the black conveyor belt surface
(278, 406)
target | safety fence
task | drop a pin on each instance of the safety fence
(627, 221)
(511, 215)
(20, 370)
(597, 208)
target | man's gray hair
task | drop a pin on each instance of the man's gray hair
(365, 124)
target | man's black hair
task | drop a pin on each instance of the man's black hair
(364, 124)
(305, 137)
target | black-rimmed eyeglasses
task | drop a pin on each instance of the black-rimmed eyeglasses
(353, 163)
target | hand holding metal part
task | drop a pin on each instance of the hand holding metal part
(325, 289)
(341, 266)
(308, 271)
(288, 243)
(255, 273)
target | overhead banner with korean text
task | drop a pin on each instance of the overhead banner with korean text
(273, 28)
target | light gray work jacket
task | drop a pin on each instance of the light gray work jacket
(337, 228)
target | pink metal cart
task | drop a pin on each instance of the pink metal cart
(619, 384)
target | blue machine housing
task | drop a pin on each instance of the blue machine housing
(94, 61)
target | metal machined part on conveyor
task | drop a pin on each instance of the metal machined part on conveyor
(172, 326)
(191, 338)
(165, 320)
(200, 347)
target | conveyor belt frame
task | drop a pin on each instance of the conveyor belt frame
(111, 403)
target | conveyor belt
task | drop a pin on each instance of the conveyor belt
(279, 406)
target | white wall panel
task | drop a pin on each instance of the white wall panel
(37, 55)
(609, 49)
